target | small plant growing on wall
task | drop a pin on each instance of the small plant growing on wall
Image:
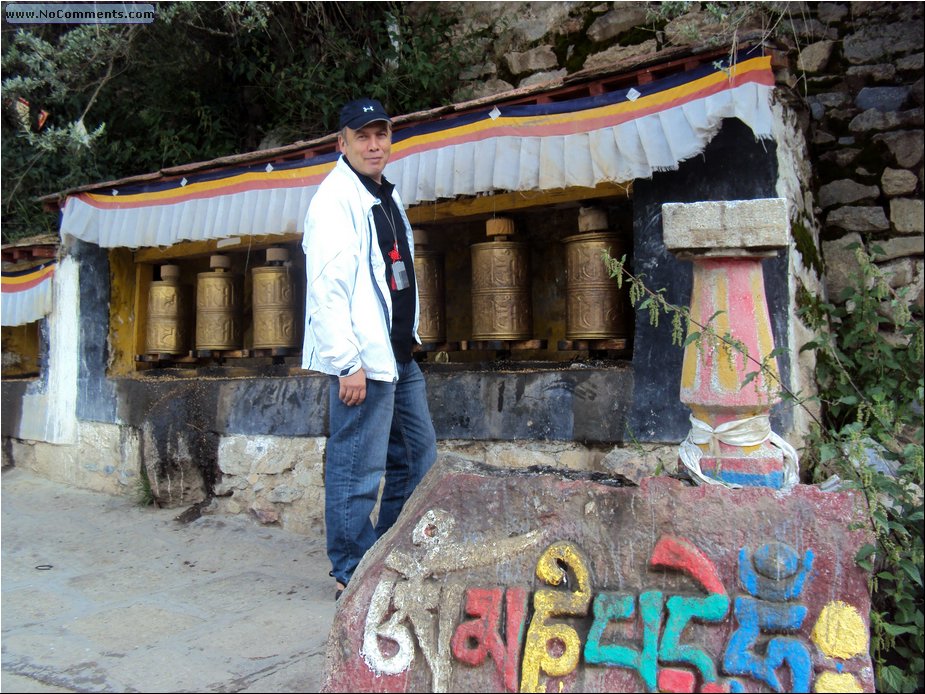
(144, 494)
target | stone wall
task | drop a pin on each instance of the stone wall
(864, 91)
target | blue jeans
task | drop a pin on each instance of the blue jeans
(389, 433)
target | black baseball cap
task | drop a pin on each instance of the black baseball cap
(356, 114)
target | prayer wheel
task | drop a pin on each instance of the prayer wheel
(274, 303)
(595, 305)
(501, 308)
(167, 331)
(218, 307)
(428, 271)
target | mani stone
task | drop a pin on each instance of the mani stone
(442, 603)
(726, 225)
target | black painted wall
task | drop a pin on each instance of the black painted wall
(96, 397)
(734, 166)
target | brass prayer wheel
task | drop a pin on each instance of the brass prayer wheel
(167, 331)
(501, 307)
(218, 307)
(595, 305)
(274, 306)
(428, 271)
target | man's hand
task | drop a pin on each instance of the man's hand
(353, 388)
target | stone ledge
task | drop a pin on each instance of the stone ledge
(735, 224)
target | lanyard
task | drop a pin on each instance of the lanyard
(399, 279)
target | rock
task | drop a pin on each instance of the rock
(284, 493)
(901, 246)
(873, 119)
(486, 571)
(473, 72)
(542, 78)
(860, 75)
(692, 28)
(539, 58)
(830, 12)
(881, 98)
(841, 265)
(821, 137)
(478, 90)
(906, 215)
(905, 146)
(617, 54)
(841, 157)
(830, 99)
(871, 43)
(265, 513)
(864, 219)
(914, 63)
(898, 182)
(615, 22)
(845, 192)
(816, 110)
(918, 91)
(636, 464)
(815, 56)
(899, 273)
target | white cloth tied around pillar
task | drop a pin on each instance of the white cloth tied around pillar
(751, 431)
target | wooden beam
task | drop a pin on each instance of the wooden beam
(191, 249)
(463, 209)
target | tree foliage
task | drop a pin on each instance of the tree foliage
(201, 81)
(869, 353)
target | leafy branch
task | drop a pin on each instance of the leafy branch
(705, 336)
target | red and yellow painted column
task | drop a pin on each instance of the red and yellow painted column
(729, 377)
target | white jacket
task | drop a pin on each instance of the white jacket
(348, 308)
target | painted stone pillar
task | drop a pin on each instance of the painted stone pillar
(730, 388)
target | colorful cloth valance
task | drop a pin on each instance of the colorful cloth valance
(613, 137)
(27, 294)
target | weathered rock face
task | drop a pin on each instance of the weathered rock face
(529, 581)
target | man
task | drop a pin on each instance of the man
(360, 328)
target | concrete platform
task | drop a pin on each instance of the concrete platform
(102, 595)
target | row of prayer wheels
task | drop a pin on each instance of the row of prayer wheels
(219, 324)
(501, 294)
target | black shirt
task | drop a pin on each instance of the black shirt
(391, 231)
